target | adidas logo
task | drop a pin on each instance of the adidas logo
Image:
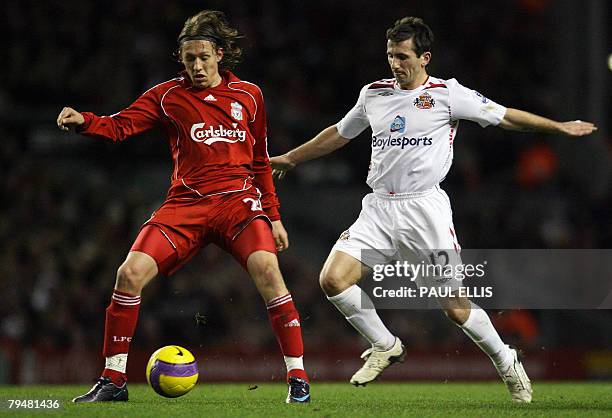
(292, 323)
(210, 98)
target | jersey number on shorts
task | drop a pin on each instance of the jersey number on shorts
(255, 203)
(435, 258)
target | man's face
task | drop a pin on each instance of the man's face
(201, 61)
(408, 69)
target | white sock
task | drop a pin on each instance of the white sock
(294, 363)
(480, 329)
(358, 309)
(118, 362)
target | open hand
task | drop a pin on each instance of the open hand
(577, 128)
(280, 165)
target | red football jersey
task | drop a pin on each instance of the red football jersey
(217, 136)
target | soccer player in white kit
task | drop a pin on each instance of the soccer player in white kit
(414, 119)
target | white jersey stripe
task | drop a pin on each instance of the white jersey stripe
(178, 132)
(254, 101)
(244, 187)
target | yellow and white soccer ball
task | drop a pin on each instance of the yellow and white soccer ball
(172, 371)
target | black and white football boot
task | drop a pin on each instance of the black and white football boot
(299, 391)
(103, 391)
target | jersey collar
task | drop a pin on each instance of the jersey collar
(226, 77)
(397, 87)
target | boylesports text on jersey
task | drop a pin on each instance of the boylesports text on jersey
(211, 135)
(400, 142)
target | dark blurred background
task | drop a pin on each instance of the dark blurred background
(71, 206)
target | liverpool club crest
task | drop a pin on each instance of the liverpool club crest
(236, 109)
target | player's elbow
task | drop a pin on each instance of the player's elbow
(511, 120)
(504, 124)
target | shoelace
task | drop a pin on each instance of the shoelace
(297, 384)
(375, 362)
(298, 391)
(515, 383)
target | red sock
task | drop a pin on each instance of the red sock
(298, 373)
(117, 378)
(121, 318)
(285, 322)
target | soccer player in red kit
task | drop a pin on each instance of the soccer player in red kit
(221, 192)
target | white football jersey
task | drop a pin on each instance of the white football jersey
(413, 130)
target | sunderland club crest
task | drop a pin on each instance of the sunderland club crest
(424, 101)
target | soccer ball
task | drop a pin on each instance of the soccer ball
(172, 371)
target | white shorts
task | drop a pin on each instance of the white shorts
(417, 228)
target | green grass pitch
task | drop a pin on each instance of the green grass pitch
(330, 400)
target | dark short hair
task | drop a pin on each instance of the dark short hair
(412, 28)
(212, 25)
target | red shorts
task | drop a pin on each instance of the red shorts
(181, 227)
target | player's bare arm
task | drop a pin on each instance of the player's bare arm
(326, 142)
(519, 120)
(69, 118)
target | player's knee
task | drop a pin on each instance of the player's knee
(331, 281)
(131, 278)
(266, 273)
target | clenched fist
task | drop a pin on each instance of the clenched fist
(69, 118)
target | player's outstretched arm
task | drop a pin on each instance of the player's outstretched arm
(69, 118)
(140, 116)
(326, 142)
(519, 120)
